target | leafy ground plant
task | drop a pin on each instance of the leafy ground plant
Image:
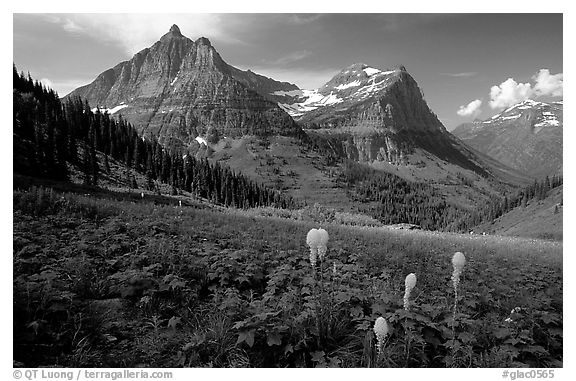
(105, 282)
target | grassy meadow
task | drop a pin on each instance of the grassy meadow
(107, 281)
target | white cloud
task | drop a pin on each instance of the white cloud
(289, 58)
(71, 26)
(472, 109)
(134, 32)
(64, 86)
(509, 93)
(306, 79)
(466, 74)
(548, 84)
(305, 18)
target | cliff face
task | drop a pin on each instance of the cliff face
(376, 147)
(179, 89)
(526, 136)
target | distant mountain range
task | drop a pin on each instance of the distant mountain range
(526, 136)
(181, 92)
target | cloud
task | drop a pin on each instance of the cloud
(509, 93)
(402, 21)
(472, 109)
(304, 18)
(70, 26)
(548, 84)
(466, 74)
(289, 58)
(64, 86)
(306, 79)
(134, 32)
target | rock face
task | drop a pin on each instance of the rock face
(178, 89)
(526, 137)
(382, 114)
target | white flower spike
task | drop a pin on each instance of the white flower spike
(458, 262)
(381, 330)
(317, 240)
(409, 284)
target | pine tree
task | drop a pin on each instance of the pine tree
(86, 166)
(93, 158)
(106, 164)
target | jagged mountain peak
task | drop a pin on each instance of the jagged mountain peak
(178, 89)
(203, 41)
(173, 33)
(175, 30)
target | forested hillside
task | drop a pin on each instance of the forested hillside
(50, 137)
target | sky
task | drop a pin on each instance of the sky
(468, 65)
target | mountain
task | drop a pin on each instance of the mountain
(526, 136)
(380, 117)
(179, 89)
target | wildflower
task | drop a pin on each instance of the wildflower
(334, 272)
(312, 239)
(313, 256)
(458, 261)
(409, 283)
(381, 331)
(508, 320)
(317, 240)
(322, 243)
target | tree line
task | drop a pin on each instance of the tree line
(498, 206)
(50, 135)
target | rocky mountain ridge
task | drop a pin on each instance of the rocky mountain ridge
(179, 89)
(526, 136)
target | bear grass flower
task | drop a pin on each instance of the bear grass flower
(458, 262)
(317, 240)
(409, 284)
(322, 243)
(381, 330)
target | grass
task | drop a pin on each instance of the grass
(102, 281)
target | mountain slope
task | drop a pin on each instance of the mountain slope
(179, 89)
(526, 136)
(539, 219)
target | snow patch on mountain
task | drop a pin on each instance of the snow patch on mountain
(371, 71)
(291, 93)
(516, 116)
(110, 110)
(312, 99)
(348, 85)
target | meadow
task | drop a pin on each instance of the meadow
(108, 282)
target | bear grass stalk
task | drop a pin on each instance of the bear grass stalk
(317, 241)
(381, 331)
(458, 262)
(409, 284)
